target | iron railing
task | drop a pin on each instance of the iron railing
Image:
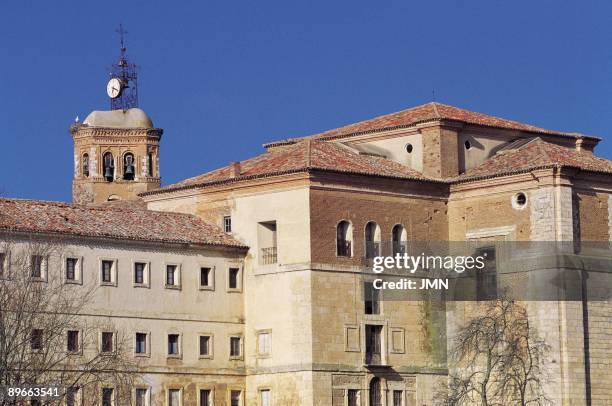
(269, 256)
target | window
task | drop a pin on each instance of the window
(107, 342)
(372, 240)
(227, 224)
(174, 397)
(352, 397)
(206, 278)
(235, 347)
(85, 165)
(234, 278)
(141, 396)
(235, 396)
(264, 397)
(519, 201)
(375, 392)
(266, 237)
(141, 274)
(108, 396)
(344, 237)
(150, 164)
(37, 266)
(409, 148)
(205, 397)
(107, 272)
(108, 167)
(397, 398)
(173, 345)
(72, 396)
(399, 239)
(467, 145)
(71, 269)
(373, 344)
(2, 263)
(263, 343)
(72, 341)
(36, 339)
(140, 346)
(205, 346)
(371, 298)
(486, 278)
(172, 276)
(128, 166)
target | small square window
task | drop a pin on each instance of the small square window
(72, 341)
(235, 397)
(36, 339)
(71, 269)
(205, 344)
(235, 347)
(234, 278)
(107, 342)
(227, 224)
(140, 346)
(108, 397)
(173, 345)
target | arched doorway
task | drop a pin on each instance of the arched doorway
(375, 395)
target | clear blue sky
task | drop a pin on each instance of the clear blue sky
(224, 77)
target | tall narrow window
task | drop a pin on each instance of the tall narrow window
(227, 224)
(373, 344)
(352, 397)
(344, 237)
(107, 342)
(372, 298)
(141, 343)
(397, 398)
(128, 166)
(71, 265)
(204, 346)
(173, 344)
(2, 263)
(235, 344)
(36, 339)
(108, 395)
(235, 396)
(399, 239)
(264, 396)
(375, 392)
(85, 165)
(141, 396)
(172, 276)
(108, 164)
(150, 165)
(205, 277)
(174, 397)
(205, 397)
(234, 278)
(107, 271)
(72, 341)
(139, 273)
(37, 262)
(263, 343)
(267, 240)
(372, 240)
(486, 278)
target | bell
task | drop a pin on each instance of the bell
(108, 174)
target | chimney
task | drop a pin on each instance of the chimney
(234, 169)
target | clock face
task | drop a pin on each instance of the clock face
(113, 88)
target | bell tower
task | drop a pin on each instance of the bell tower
(116, 152)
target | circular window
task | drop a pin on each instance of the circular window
(409, 148)
(519, 201)
(468, 145)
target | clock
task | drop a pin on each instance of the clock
(114, 88)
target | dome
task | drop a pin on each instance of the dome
(131, 118)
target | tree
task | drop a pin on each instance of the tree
(37, 312)
(497, 358)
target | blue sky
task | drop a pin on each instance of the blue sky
(224, 77)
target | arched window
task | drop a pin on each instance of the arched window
(344, 239)
(85, 165)
(108, 167)
(150, 164)
(375, 394)
(372, 240)
(399, 239)
(128, 166)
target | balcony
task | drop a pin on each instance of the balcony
(268, 256)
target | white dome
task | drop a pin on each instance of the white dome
(131, 118)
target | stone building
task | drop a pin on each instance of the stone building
(297, 222)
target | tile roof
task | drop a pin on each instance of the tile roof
(536, 153)
(35, 216)
(308, 154)
(424, 113)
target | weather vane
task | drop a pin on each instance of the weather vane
(122, 88)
